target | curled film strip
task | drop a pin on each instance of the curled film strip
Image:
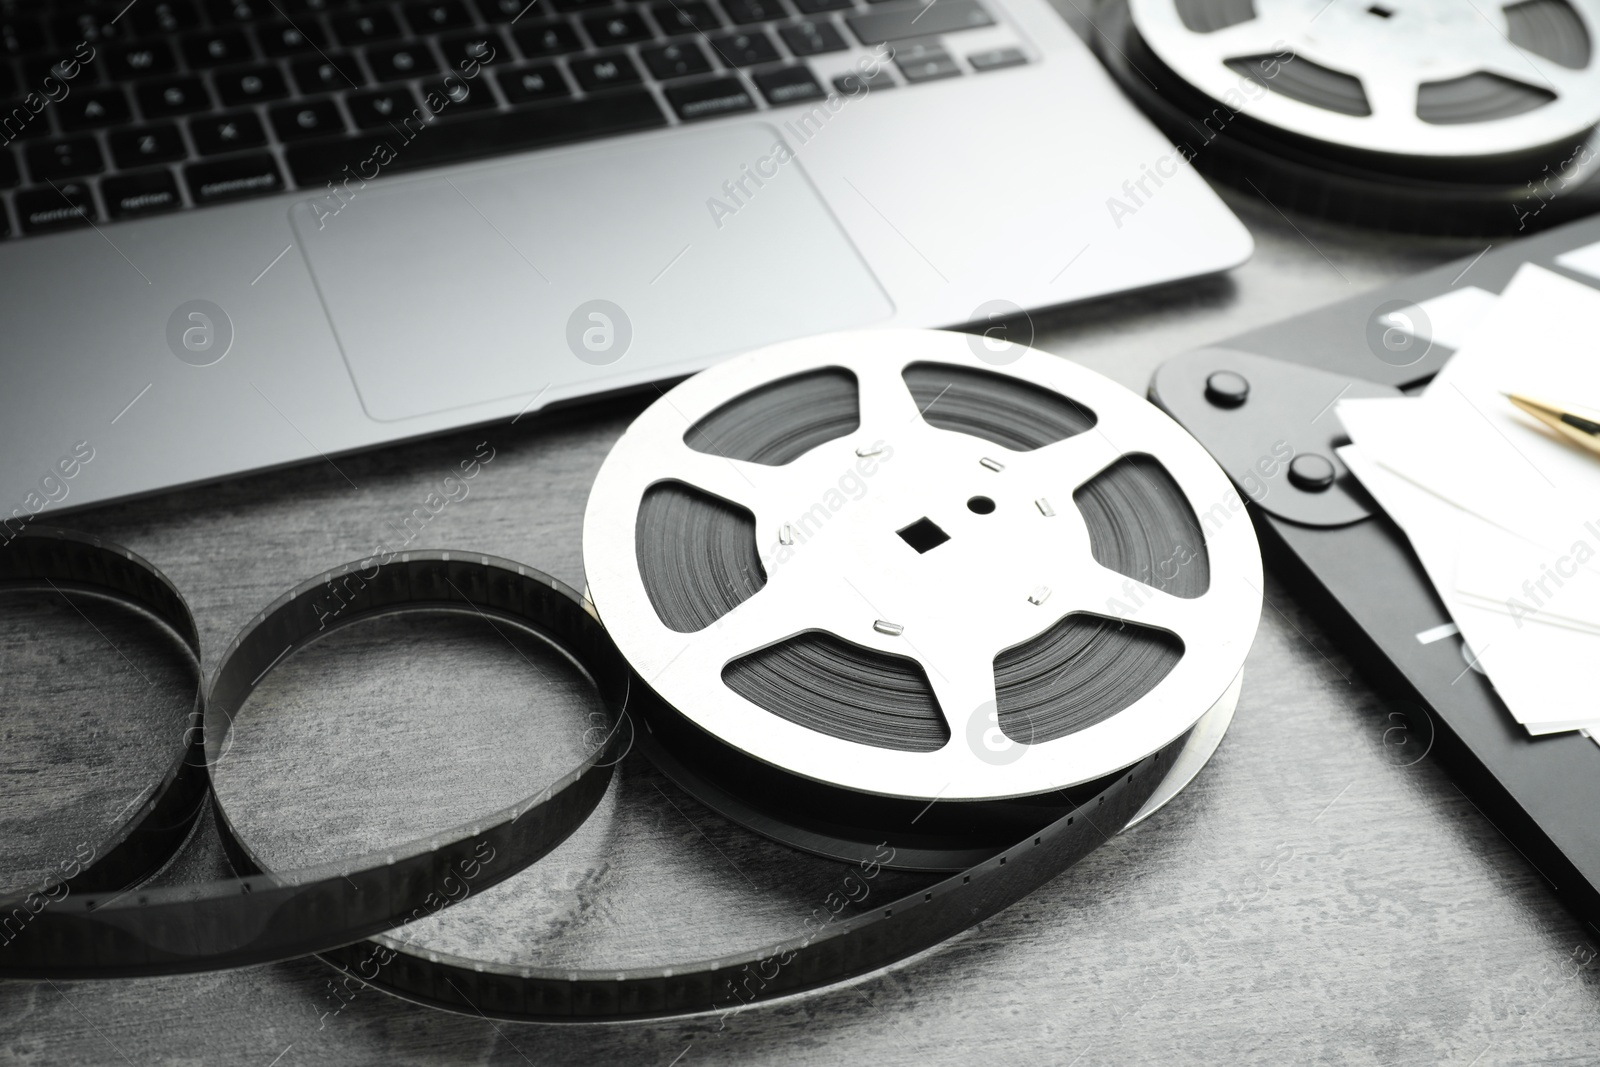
(102, 927)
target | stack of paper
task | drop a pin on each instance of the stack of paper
(1503, 513)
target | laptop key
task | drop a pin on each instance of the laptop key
(223, 12)
(20, 33)
(502, 10)
(817, 7)
(58, 207)
(787, 85)
(605, 71)
(676, 60)
(288, 38)
(328, 72)
(854, 83)
(365, 27)
(10, 173)
(141, 59)
(35, 69)
(20, 122)
(745, 49)
(925, 63)
(812, 38)
(745, 12)
(142, 146)
(903, 23)
(997, 59)
(463, 49)
(687, 16)
(708, 99)
(312, 162)
(452, 95)
(438, 15)
(233, 178)
(399, 62)
(96, 25)
(150, 192)
(250, 85)
(164, 16)
(215, 135)
(216, 48)
(381, 108)
(173, 96)
(91, 108)
(621, 27)
(533, 83)
(305, 119)
(70, 157)
(546, 39)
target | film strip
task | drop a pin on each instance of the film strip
(900, 598)
(102, 927)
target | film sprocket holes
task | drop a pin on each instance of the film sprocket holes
(1069, 655)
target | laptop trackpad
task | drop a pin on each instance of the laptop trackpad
(452, 291)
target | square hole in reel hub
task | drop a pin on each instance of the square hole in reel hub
(923, 535)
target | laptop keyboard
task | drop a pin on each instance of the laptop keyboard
(126, 110)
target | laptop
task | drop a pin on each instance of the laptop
(241, 234)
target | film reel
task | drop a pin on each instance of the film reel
(1417, 115)
(1427, 78)
(886, 590)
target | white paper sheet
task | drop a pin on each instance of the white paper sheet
(1466, 442)
(1543, 673)
(1504, 514)
(1585, 260)
(1448, 319)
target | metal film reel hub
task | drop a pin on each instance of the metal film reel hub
(1369, 71)
(926, 545)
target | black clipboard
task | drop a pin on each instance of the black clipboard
(1355, 569)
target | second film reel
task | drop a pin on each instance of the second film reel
(1425, 116)
(886, 590)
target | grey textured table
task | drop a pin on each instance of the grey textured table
(1315, 896)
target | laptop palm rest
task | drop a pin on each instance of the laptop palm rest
(510, 279)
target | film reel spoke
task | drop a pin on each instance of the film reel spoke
(1066, 465)
(1517, 66)
(1261, 36)
(964, 686)
(749, 485)
(1105, 592)
(1391, 95)
(887, 406)
(766, 618)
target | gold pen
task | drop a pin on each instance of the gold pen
(1576, 424)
